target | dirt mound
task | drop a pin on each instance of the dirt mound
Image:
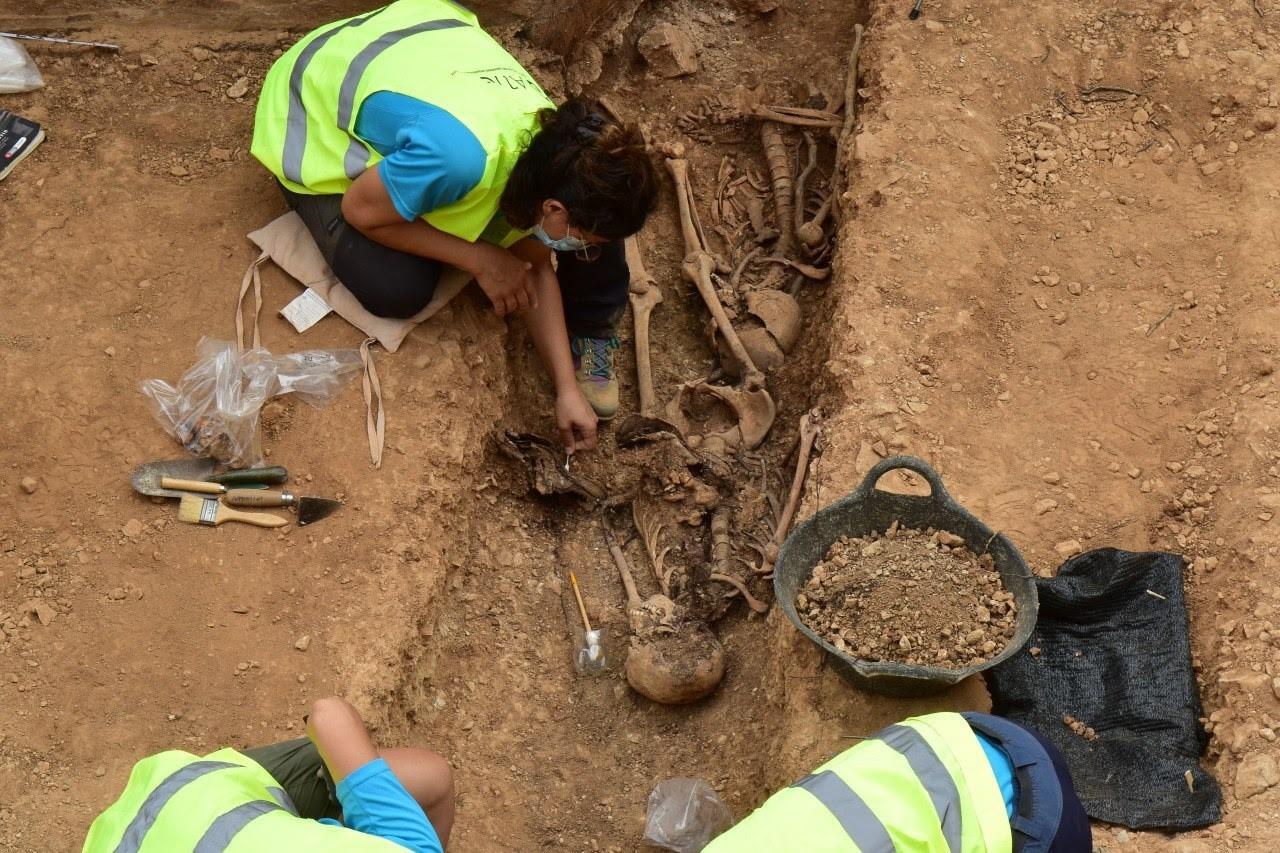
(911, 596)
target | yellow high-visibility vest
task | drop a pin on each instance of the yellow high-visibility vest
(432, 50)
(176, 801)
(920, 786)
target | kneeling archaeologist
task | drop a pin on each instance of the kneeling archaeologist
(941, 783)
(331, 791)
(407, 138)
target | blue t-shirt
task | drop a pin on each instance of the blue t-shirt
(431, 158)
(1002, 767)
(375, 802)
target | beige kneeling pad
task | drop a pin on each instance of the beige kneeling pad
(287, 242)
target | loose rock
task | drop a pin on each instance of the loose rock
(303, 643)
(1068, 548)
(29, 485)
(669, 51)
(1081, 729)
(1255, 774)
(238, 89)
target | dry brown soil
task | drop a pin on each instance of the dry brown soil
(1067, 304)
(907, 597)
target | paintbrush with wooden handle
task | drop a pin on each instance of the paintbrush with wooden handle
(194, 509)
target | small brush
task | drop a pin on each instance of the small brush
(194, 509)
(591, 656)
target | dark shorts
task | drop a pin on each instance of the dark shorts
(298, 767)
(390, 283)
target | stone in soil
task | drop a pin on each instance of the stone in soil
(1255, 774)
(669, 51)
(916, 597)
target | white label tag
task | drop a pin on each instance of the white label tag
(305, 311)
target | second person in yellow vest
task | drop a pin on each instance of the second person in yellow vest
(407, 138)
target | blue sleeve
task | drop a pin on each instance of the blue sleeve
(375, 803)
(431, 158)
(1002, 768)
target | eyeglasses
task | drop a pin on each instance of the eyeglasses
(588, 253)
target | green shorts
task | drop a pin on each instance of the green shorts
(297, 766)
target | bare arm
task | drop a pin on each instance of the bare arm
(546, 318)
(337, 730)
(368, 208)
(575, 420)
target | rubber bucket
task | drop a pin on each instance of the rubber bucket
(869, 510)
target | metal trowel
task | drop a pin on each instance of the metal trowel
(146, 477)
(310, 510)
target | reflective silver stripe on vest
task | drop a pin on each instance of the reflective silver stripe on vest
(283, 799)
(857, 819)
(228, 824)
(295, 134)
(356, 158)
(136, 831)
(933, 775)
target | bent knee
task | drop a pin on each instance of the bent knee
(393, 306)
(427, 775)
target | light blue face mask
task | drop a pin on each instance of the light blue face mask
(567, 243)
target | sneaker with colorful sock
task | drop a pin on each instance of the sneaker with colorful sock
(593, 368)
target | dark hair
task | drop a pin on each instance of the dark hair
(594, 166)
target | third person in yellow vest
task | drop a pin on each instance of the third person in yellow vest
(330, 792)
(941, 783)
(407, 138)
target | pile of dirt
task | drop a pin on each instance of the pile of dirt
(910, 596)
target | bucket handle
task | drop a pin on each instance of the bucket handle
(938, 492)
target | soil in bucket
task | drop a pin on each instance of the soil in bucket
(917, 597)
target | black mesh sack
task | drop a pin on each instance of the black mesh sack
(1117, 658)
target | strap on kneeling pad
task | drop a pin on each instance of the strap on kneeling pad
(252, 276)
(375, 425)
(375, 411)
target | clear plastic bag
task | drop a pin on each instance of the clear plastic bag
(18, 73)
(214, 410)
(684, 815)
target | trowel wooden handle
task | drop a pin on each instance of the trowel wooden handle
(192, 486)
(254, 497)
(259, 519)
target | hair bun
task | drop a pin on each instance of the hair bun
(617, 139)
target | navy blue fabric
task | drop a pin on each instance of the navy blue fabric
(1114, 655)
(1074, 832)
(1049, 817)
(594, 292)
